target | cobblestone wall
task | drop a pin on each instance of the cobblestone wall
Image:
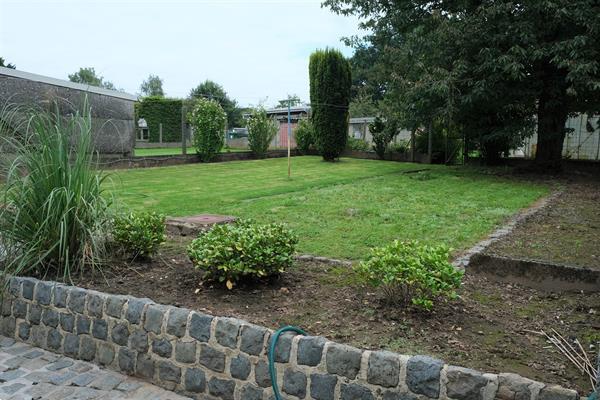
(209, 357)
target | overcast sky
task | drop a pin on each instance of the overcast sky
(257, 49)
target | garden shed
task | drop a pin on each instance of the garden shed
(113, 122)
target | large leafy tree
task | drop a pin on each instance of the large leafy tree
(212, 90)
(90, 77)
(494, 70)
(330, 84)
(152, 86)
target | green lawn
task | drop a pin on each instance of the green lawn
(337, 209)
(171, 151)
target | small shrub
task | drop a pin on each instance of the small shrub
(355, 144)
(139, 234)
(380, 137)
(230, 253)
(401, 146)
(208, 120)
(261, 130)
(411, 272)
(305, 136)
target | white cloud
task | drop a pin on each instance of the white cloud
(255, 49)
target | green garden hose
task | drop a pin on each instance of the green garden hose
(272, 372)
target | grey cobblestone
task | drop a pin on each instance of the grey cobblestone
(200, 326)
(226, 332)
(343, 360)
(65, 379)
(177, 321)
(253, 339)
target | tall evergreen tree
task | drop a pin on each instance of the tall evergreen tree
(330, 84)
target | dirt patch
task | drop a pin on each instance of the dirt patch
(487, 328)
(566, 231)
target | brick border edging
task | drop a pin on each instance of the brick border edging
(198, 354)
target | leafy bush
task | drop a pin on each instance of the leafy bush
(411, 272)
(208, 120)
(400, 146)
(305, 136)
(330, 84)
(261, 130)
(230, 253)
(380, 137)
(355, 144)
(139, 234)
(54, 215)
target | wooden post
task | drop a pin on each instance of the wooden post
(183, 138)
(160, 133)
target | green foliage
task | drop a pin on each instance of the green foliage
(330, 83)
(244, 250)
(213, 91)
(305, 136)
(381, 137)
(208, 120)
(152, 86)
(261, 130)
(139, 234)
(53, 211)
(401, 146)
(411, 272)
(3, 63)
(292, 100)
(355, 144)
(88, 76)
(495, 68)
(362, 105)
(157, 110)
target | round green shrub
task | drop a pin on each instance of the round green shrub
(139, 234)
(233, 252)
(355, 144)
(261, 130)
(208, 120)
(305, 136)
(411, 272)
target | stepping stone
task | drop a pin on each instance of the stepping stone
(192, 225)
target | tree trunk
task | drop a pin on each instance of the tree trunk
(552, 116)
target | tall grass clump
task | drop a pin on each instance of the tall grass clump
(53, 215)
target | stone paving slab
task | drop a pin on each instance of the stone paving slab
(28, 373)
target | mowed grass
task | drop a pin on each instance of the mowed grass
(337, 209)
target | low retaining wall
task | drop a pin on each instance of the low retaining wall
(163, 161)
(225, 358)
(536, 274)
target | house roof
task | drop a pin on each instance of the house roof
(67, 84)
(293, 110)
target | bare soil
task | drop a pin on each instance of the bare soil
(567, 231)
(489, 327)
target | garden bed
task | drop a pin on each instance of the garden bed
(488, 328)
(564, 232)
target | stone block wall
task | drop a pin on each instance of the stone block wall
(208, 357)
(113, 127)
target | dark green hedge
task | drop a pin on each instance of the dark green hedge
(157, 110)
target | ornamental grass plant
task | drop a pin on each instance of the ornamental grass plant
(53, 214)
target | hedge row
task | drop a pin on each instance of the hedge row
(157, 110)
